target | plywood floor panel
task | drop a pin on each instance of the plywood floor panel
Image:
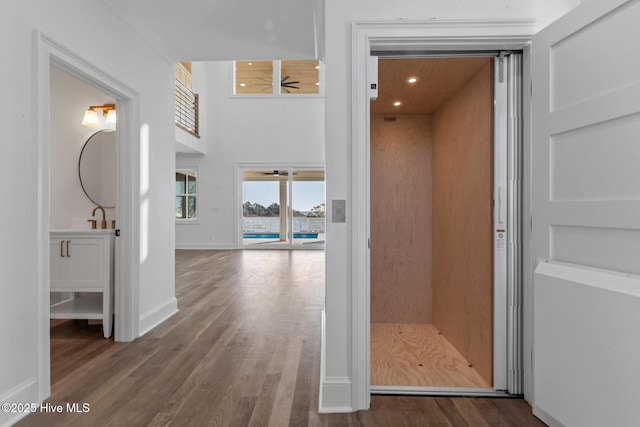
(418, 355)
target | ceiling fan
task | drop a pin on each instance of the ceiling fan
(285, 85)
(277, 173)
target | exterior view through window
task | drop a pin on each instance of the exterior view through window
(283, 208)
(186, 195)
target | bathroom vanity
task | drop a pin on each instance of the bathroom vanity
(82, 265)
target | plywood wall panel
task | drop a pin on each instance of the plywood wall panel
(401, 219)
(462, 220)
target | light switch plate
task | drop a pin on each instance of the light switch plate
(338, 211)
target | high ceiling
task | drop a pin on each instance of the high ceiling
(437, 80)
(208, 30)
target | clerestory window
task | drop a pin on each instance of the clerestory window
(279, 77)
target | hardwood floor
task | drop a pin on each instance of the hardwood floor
(243, 350)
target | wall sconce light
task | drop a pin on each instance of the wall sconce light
(91, 116)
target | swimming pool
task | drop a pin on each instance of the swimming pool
(276, 235)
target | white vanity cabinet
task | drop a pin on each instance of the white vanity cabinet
(82, 263)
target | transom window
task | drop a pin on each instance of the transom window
(285, 77)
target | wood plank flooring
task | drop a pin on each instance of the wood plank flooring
(244, 350)
(418, 355)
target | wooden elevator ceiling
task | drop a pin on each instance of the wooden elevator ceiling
(438, 80)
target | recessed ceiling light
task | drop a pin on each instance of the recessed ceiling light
(317, 67)
(317, 84)
(412, 79)
(397, 104)
(242, 84)
(250, 63)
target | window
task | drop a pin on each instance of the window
(186, 193)
(300, 77)
(254, 77)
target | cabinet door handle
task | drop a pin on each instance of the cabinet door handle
(61, 248)
(68, 252)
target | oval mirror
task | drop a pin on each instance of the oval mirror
(97, 168)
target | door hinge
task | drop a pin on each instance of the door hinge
(501, 66)
(369, 243)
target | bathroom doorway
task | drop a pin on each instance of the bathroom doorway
(83, 193)
(50, 54)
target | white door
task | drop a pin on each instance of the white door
(586, 216)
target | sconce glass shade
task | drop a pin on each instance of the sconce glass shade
(90, 118)
(111, 116)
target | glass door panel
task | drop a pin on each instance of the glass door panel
(283, 208)
(265, 195)
(308, 203)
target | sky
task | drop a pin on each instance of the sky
(306, 194)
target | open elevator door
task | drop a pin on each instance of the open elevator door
(506, 259)
(508, 223)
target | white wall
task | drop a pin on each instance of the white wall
(336, 384)
(70, 97)
(95, 34)
(282, 130)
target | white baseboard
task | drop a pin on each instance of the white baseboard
(335, 392)
(546, 418)
(157, 315)
(25, 393)
(335, 395)
(222, 246)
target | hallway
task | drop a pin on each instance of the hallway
(244, 349)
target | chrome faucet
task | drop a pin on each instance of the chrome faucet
(104, 217)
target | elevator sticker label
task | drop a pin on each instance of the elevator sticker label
(501, 239)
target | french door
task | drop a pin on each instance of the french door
(281, 207)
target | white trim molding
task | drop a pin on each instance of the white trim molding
(23, 394)
(334, 391)
(451, 35)
(47, 51)
(157, 315)
(400, 36)
(205, 246)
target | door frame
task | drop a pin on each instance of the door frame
(405, 37)
(126, 326)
